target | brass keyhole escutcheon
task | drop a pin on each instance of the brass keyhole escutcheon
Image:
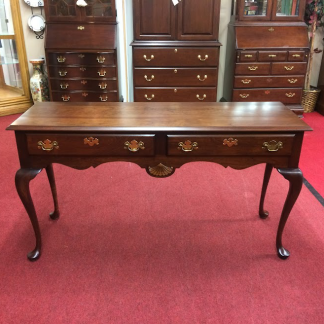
(187, 146)
(134, 146)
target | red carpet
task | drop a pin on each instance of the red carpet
(129, 248)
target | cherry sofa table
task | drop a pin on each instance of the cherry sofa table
(159, 137)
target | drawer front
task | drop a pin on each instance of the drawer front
(171, 56)
(297, 56)
(91, 144)
(104, 58)
(175, 77)
(269, 81)
(84, 96)
(82, 72)
(175, 95)
(83, 84)
(252, 68)
(286, 96)
(266, 56)
(288, 68)
(230, 144)
(247, 56)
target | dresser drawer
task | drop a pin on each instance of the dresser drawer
(288, 68)
(247, 56)
(175, 95)
(269, 81)
(286, 96)
(84, 96)
(202, 77)
(269, 56)
(83, 84)
(90, 144)
(175, 57)
(297, 56)
(252, 68)
(100, 58)
(82, 72)
(230, 144)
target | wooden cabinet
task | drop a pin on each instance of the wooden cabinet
(175, 50)
(80, 51)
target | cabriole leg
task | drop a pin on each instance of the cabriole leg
(50, 174)
(267, 173)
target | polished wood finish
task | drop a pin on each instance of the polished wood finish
(160, 138)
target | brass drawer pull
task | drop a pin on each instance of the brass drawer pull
(187, 146)
(65, 98)
(147, 98)
(81, 55)
(47, 145)
(272, 146)
(61, 59)
(64, 85)
(91, 141)
(134, 146)
(83, 69)
(292, 80)
(290, 94)
(246, 81)
(244, 95)
(175, 71)
(248, 55)
(102, 73)
(62, 73)
(272, 55)
(252, 68)
(101, 59)
(84, 82)
(202, 80)
(201, 59)
(230, 142)
(271, 30)
(289, 68)
(147, 59)
(80, 27)
(103, 98)
(102, 85)
(296, 55)
(201, 99)
(85, 94)
(175, 50)
(147, 79)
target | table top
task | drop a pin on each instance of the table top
(158, 116)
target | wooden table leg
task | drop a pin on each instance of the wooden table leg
(50, 174)
(295, 178)
(23, 177)
(263, 213)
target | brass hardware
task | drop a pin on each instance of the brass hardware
(64, 85)
(271, 29)
(102, 85)
(80, 27)
(134, 146)
(230, 142)
(85, 94)
(103, 98)
(203, 98)
(81, 55)
(296, 55)
(62, 73)
(292, 80)
(102, 72)
(246, 81)
(272, 55)
(65, 98)
(61, 59)
(198, 77)
(91, 141)
(201, 59)
(290, 94)
(248, 55)
(145, 57)
(147, 98)
(289, 68)
(252, 68)
(84, 82)
(175, 50)
(101, 59)
(83, 69)
(267, 92)
(187, 146)
(272, 146)
(147, 79)
(175, 71)
(175, 90)
(47, 145)
(244, 96)
(160, 171)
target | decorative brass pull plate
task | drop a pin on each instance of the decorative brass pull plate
(202, 80)
(85, 94)
(290, 94)
(81, 55)
(292, 80)
(61, 59)
(148, 59)
(47, 145)
(203, 59)
(289, 68)
(84, 82)
(102, 85)
(147, 98)
(271, 30)
(103, 98)
(101, 59)
(91, 141)
(272, 55)
(201, 99)
(62, 73)
(230, 142)
(248, 55)
(147, 79)
(102, 73)
(244, 95)
(296, 55)
(83, 69)
(272, 146)
(64, 85)
(80, 27)
(187, 146)
(246, 81)
(134, 146)
(252, 68)
(65, 98)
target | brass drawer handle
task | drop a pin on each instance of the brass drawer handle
(62, 73)
(175, 71)
(85, 94)
(296, 55)
(101, 59)
(47, 145)
(91, 141)
(272, 55)
(83, 69)
(290, 94)
(65, 98)
(147, 79)
(84, 82)
(134, 146)
(246, 81)
(64, 85)
(103, 98)
(272, 146)
(102, 85)
(252, 68)
(80, 27)
(61, 59)
(244, 95)
(147, 59)
(289, 68)
(292, 80)
(201, 99)
(187, 146)
(147, 98)
(271, 30)
(230, 141)
(81, 55)
(201, 59)
(202, 80)
(248, 55)
(102, 73)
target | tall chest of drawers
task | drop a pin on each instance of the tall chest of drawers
(175, 50)
(81, 52)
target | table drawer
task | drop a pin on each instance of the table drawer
(266, 56)
(252, 68)
(85, 96)
(167, 77)
(100, 58)
(269, 81)
(82, 72)
(230, 144)
(175, 95)
(286, 96)
(288, 68)
(83, 84)
(171, 56)
(91, 144)
(297, 56)
(247, 56)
